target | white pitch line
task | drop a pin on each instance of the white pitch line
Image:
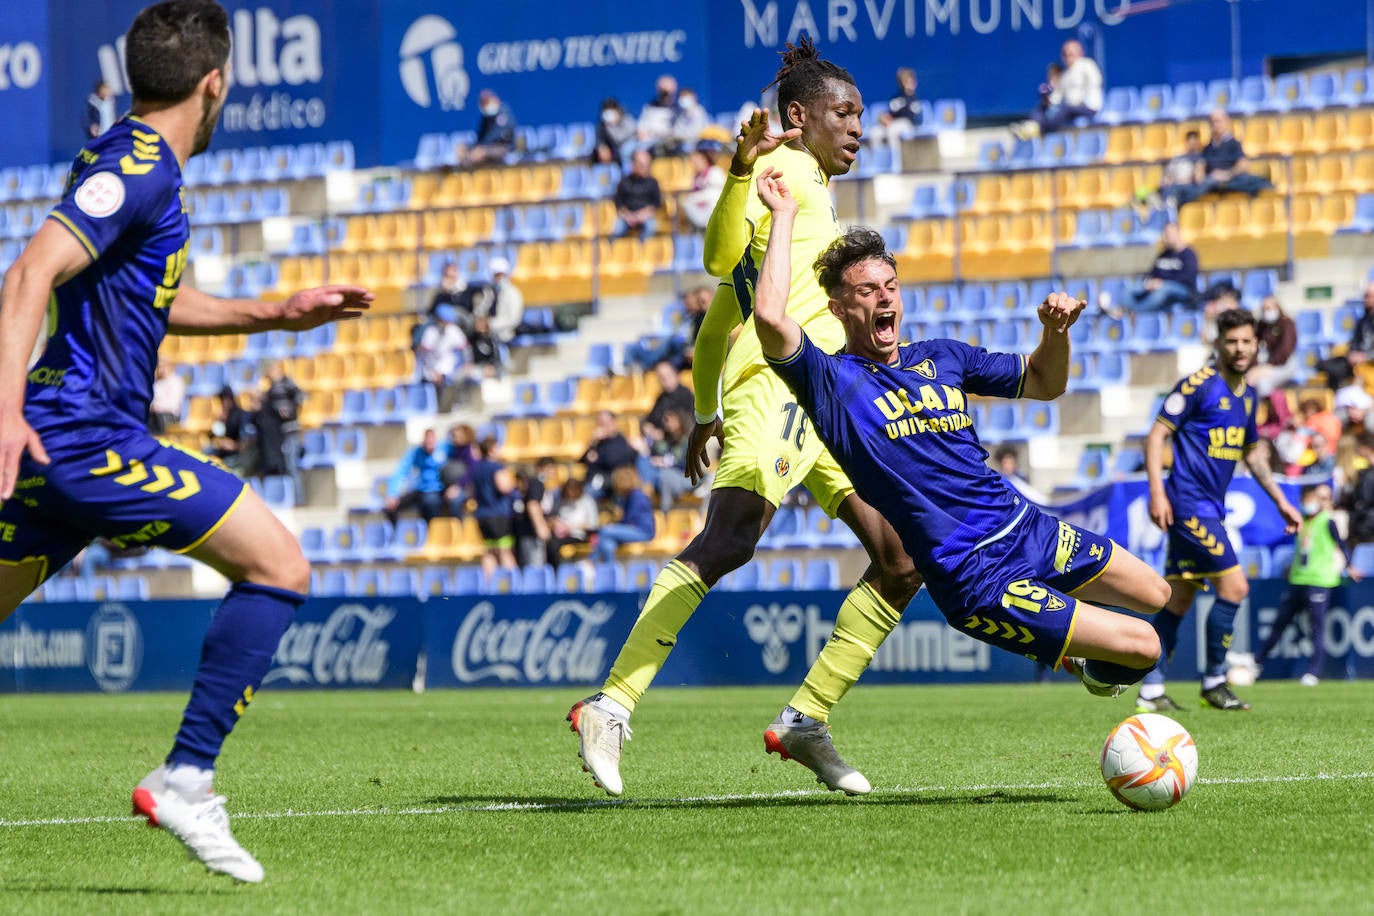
(582, 804)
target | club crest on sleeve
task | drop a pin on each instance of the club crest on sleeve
(100, 195)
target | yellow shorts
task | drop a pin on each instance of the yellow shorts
(770, 446)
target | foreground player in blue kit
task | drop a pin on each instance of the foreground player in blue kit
(1210, 415)
(76, 460)
(895, 418)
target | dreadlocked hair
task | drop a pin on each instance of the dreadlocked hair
(802, 76)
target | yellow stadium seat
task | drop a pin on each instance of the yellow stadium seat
(439, 229)
(1124, 143)
(989, 195)
(300, 273)
(1158, 141)
(929, 253)
(424, 186)
(1260, 134)
(396, 231)
(1294, 135)
(1331, 173)
(1028, 191)
(358, 233)
(1362, 172)
(451, 539)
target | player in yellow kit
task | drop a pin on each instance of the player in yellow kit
(768, 443)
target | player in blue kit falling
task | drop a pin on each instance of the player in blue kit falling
(76, 460)
(895, 417)
(1211, 417)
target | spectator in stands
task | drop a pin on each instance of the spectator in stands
(1078, 95)
(1178, 172)
(451, 289)
(504, 307)
(707, 180)
(1359, 500)
(1309, 443)
(1222, 167)
(675, 347)
(689, 121)
(673, 396)
(634, 516)
(232, 436)
(902, 115)
(637, 198)
(608, 452)
(529, 525)
(169, 398)
(657, 116)
(1341, 367)
(441, 353)
(484, 354)
(493, 488)
(456, 474)
(1278, 338)
(1008, 463)
(417, 480)
(1172, 279)
(100, 110)
(495, 131)
(279, 428)
(1353, 405)
(575, 519)
(665, 467)
(614, 130)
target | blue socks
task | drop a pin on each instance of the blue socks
(1166, 624)
(1221, 621)
(234, 659)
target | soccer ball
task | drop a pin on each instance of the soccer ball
(1149, 762)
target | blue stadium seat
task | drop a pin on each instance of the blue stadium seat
(1363, 221)
(1280, 558)
(992, 155)
(948, 114)
(65, 588)
(1311, 325)
(1189, 100)
(574, 578)
(435, 582)
(1151, 334)
(822, 531)
(1128, 460)
(318, 449)
(579, 139)
(338, 156)
(1362, 558)
(784, 531)
(1041, 419)
(821, 574)
(640, 574)
(369, 583)
(402, 583)
(132, 588)
(1221, 94)
(1092, 230)
(1290, 90)
(1118, 105)
(467, 580)
(744, 579)
(374, 543)
(1089, 147)
(1254, 562)
(1082, 374)
(1009, 298)
(334, 583)
(784, 574)
(1057, 149)
(603, 179)
(408, 536)
(1256, 285)
(502, 582)
(1323, 90)
(600, 360)
(1092, 469)
(1255, 94)
(1084, 288)
(1357, 88)
(975, 300)
(538, 580)
(345, 543)
(1025, 152)
(279, 492)
(608, 577)
(1152, 104)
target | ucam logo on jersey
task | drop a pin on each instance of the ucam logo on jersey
(432, 64)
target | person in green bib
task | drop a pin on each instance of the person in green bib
(1320, 558)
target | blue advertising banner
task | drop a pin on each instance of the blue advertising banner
(380, 74)
(155, 645)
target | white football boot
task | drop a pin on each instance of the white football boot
(793, 736)
(600, 734)
(201, 825)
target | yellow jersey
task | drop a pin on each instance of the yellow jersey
(816, 226)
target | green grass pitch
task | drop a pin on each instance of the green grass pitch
(986, 800)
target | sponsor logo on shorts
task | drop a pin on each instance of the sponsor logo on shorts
(783, 467)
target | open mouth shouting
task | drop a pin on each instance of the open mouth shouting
(885, 328)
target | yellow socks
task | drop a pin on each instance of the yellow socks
(862, 624)
(674, 597)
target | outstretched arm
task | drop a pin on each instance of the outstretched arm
(1257, 460)
(197, 313)
(728, 231)
(1047, 368)
(779, 334)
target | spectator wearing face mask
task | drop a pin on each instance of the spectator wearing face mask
(689, 120)
(495, 131)
(615, 128)
(1278, 338)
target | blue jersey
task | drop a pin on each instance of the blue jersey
(124, 205)
(904, 436)
(1213, 428)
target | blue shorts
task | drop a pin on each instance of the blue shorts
(1016, 593)
(1199, 549)
(120, 484)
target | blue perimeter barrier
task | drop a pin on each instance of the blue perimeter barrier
(739, 638)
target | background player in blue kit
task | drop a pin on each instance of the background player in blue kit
(1211, 417)
(76, 460)
(895, 417)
